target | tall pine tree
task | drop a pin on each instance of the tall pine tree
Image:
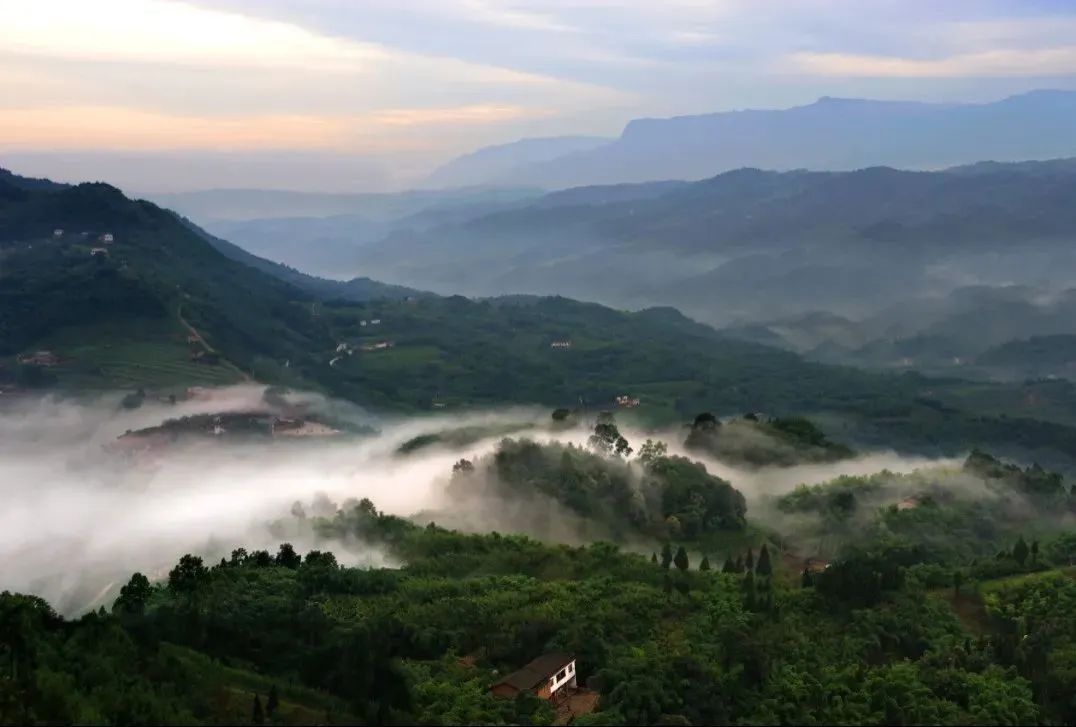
(681, 559)
(1019, 552)
(764, 568)
(272, 702)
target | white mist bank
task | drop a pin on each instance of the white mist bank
(78, 520)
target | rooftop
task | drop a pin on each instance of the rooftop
(538, 670)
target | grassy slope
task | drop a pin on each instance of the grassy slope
(115, 320)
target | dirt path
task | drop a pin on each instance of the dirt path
(196, 335)
(582, 701)
(194, 332)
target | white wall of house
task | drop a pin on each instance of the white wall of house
(565, 676)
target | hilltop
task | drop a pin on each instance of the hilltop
(161, 306)
(831, 133)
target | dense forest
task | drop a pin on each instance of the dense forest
(164, 308)
(289, 638)
(941, 596)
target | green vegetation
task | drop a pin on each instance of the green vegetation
(954, 516)
(946, 597)
(123, 319)
(663, 498)
(863, 643)
(753, 441)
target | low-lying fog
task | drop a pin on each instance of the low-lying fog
(78, 519)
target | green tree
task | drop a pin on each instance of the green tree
(651, 451)
(1034, 552)
(287, 557)
(272, 702)
(749, 592)
(705, 564)
(729, 567)
(134, 596)
(188, 576)
(654, 558)
(604, 438)
(1020, 551)
(806, 579)
(666, 556)
(749, 560)
(703, 434)
(764, 567)
(681, 559)
(257, 716)
(958, 580)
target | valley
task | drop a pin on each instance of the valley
(238, 491)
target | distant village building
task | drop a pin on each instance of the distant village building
(561, 344)
(909, 503)
(550, 676)
(363, 323)
(40, 358)
(58, 232)
(341, 348)
(99, 251)
(375, 322)
(379, 346)
(107, 238)
(627, 402)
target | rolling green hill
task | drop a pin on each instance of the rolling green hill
(161, 306)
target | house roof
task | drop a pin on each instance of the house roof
(537, 671)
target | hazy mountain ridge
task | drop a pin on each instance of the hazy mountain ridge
(756, 245)
(832, 133)
(164, 307)
(491, 164)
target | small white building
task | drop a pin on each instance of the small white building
(58, 232)
(107, 238)
(561, 344)
(375, 322)
(99, 251)
(550, 676)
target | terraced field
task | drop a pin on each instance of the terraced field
(151, 356)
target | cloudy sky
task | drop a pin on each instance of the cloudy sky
(372, 94)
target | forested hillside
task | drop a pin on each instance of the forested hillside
(295, 638)
(161, 307)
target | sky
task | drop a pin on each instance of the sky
(371, 95)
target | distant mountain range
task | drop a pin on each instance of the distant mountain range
(830, 134)
(490, 164)
(753, 245)
(98, 291)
